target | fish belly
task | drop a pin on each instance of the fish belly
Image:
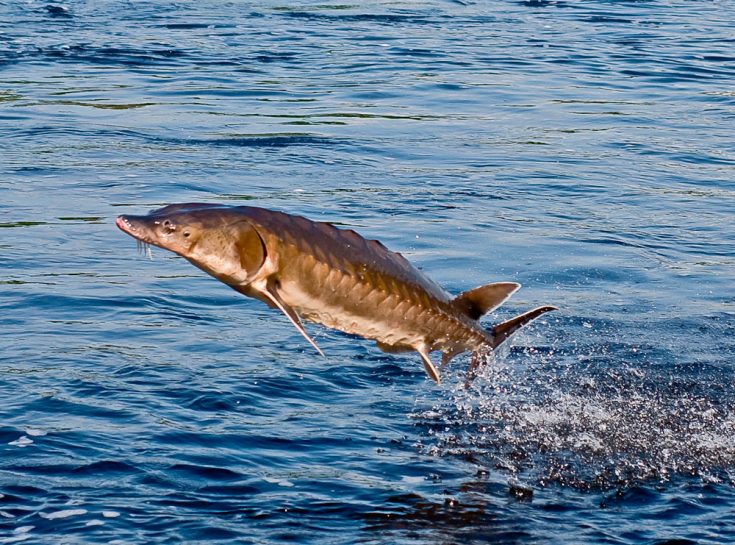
(353, 314)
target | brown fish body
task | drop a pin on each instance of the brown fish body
(341, 280)
(317, 272)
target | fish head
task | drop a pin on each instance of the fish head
(214, 238)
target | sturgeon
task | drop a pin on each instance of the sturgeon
(314, 271)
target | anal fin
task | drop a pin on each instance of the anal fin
(448, 355)
(430, 369)
(271, 293)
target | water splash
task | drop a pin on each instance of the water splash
(585, 418)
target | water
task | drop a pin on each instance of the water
(582, 149)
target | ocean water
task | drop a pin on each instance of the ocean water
(583, 149)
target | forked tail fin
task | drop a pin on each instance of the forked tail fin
(499, 334)
(503, 330)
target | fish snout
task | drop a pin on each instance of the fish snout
(136, 227)
(124, 224)
(164, 232)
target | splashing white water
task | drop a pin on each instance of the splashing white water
(589, 418)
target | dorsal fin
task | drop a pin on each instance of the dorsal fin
(480, 301)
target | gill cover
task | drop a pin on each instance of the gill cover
(252, 252)
(249, 247)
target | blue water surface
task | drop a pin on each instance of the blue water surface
(584, 149)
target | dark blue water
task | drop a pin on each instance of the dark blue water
(584, 149)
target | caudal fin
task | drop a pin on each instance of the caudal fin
(503, 330)
(499, 334)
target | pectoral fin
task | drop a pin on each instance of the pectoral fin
(430, 369)
(271, 293)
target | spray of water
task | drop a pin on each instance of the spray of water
(593, 417)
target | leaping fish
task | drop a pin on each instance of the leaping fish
(314, 271)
